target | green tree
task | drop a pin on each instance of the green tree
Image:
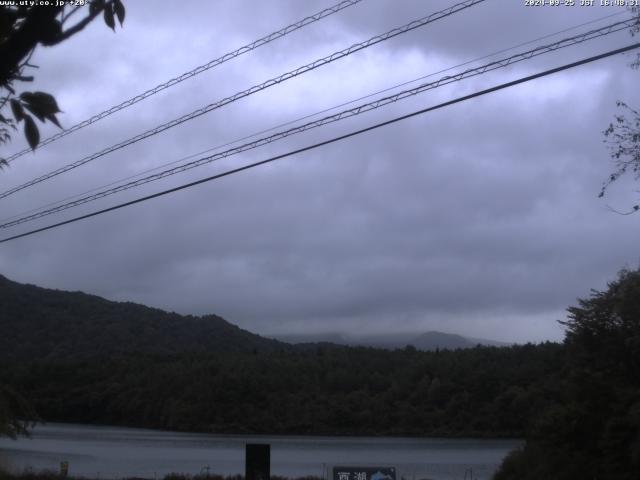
(22, 29)
(604, 330)
(16, 414)
(593, 428)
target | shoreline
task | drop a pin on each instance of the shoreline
(342, 435)
(53, 475)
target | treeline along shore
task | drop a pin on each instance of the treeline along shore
(482, 392)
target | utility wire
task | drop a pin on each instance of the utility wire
(256, 88)
(332, 140)
(331, 119)
(305, 117)
(192, 73)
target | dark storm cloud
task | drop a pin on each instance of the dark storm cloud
(479, 219)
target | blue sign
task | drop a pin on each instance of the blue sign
(364, 473)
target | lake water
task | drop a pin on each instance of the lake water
(110, 452)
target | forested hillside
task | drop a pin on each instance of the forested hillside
(39, 323)
(484, 391)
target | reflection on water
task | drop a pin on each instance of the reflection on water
(5, 464)
(109, 452)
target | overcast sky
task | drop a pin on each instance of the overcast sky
(480, 219)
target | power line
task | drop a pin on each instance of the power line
(615, 27)
(332, 140)
(290, 122)
(332, 118)
(192, 73)
(256, 88)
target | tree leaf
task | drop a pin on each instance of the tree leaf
(96, 6)
(35, 110)
(42, 105)
(118, 7)
(16, 108)
(43, 102)
(31, 132)
(108, 17)
(52, 118)
(47, 100)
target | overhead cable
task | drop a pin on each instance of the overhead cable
(330, 141)
(256, 88)
(307, 116)
(366, 107)
(192, 73)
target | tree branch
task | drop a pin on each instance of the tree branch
(634, 209)
(81, 24)
(18, 46)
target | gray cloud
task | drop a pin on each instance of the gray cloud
(480, 219)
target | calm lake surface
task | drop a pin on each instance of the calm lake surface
(110, 452)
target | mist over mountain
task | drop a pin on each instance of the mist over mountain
(38, 322)
(427, 341)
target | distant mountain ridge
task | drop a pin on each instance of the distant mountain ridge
(428, 341)
(40, 323)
